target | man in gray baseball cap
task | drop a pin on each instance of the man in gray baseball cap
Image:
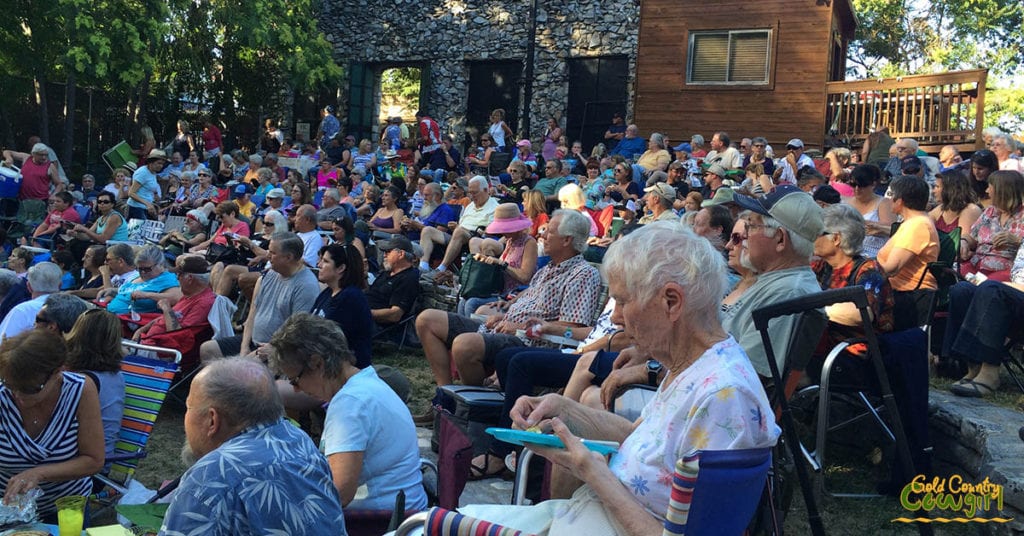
(780, 233)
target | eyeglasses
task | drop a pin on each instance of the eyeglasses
(104, 202)
(268, 224)
(793, 148)
(295, 381)
(759, 145)
(736, 239)
(31, 390)
(144, 269)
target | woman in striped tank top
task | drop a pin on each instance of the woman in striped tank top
(52, 433)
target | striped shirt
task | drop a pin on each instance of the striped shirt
(58, 442)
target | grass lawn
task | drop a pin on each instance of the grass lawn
(853, 468)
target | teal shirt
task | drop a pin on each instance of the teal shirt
(550, 186)
(122, 303)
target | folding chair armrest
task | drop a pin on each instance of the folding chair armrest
(412, 523)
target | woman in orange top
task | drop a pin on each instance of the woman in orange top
(906, 255)
(535, 207)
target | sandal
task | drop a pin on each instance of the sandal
(972, 389)
(480, 472)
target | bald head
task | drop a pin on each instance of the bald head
(224, 384)
(305, 218)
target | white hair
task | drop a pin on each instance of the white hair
(801, 246)
(279, 220)
(45, 277)
(574, 225)
(663, 252)
(480, 181)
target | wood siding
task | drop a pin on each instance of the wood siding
(791, 105)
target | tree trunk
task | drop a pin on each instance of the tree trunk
(69, 119)
(5, 127)
(44, 113)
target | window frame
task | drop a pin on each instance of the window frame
(769, 80)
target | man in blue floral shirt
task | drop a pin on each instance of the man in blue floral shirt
(256, 473)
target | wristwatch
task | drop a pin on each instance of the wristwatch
(653, 368)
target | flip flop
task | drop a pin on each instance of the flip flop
(971, 389)
(477, 472)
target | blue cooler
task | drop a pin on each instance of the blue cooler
(10, 182)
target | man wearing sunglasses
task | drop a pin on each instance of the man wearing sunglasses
(43, 280)
(795, 160)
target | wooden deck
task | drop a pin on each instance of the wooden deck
(936, 110)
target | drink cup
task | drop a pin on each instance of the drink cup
(70, 515)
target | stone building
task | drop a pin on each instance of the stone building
(476, 56)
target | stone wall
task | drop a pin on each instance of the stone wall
(447, 34)
(976, 439)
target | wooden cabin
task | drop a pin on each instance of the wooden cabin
(775, 68)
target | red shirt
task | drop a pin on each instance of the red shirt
(190, 310)
(241, 228)
(35, 180)
(69, 214)
(211, 138)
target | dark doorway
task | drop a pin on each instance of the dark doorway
(597, 89)
(361, 92)
(493, 84)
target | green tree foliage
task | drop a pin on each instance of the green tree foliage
(900, 37)
(231, 53)
(245, 53)
(896, 37)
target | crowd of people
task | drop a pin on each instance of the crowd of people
(685, 242)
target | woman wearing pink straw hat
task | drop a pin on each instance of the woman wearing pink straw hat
(516, 251)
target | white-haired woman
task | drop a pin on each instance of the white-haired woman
(153, 284)
(193, 233)
(668, 284)
(656, 157)
(840, 264)
(572, 197)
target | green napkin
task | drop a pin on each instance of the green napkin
(147, 516)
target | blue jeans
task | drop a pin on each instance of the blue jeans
(980, 319)
(468, 306)
(522, 369)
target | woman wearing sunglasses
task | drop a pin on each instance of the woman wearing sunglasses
(110, 225)
(153, 284)
(54, 416)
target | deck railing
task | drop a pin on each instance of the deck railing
(934, 109)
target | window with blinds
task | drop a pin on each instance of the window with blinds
(729, 57)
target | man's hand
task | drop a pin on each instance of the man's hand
(493, 321)
(165, 305)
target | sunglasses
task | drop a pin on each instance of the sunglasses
(104, 202)
(268, 224)
(735, 239)
(145, 269)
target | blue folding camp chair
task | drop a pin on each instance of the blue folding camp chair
(713, 492)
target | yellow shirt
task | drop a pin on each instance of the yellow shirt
(247, 209)
(918, 236)
(652, 160)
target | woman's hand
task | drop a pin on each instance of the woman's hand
(79, 228)
(531, 411)
(21, 483)
(575, 457)
(1005, 240)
